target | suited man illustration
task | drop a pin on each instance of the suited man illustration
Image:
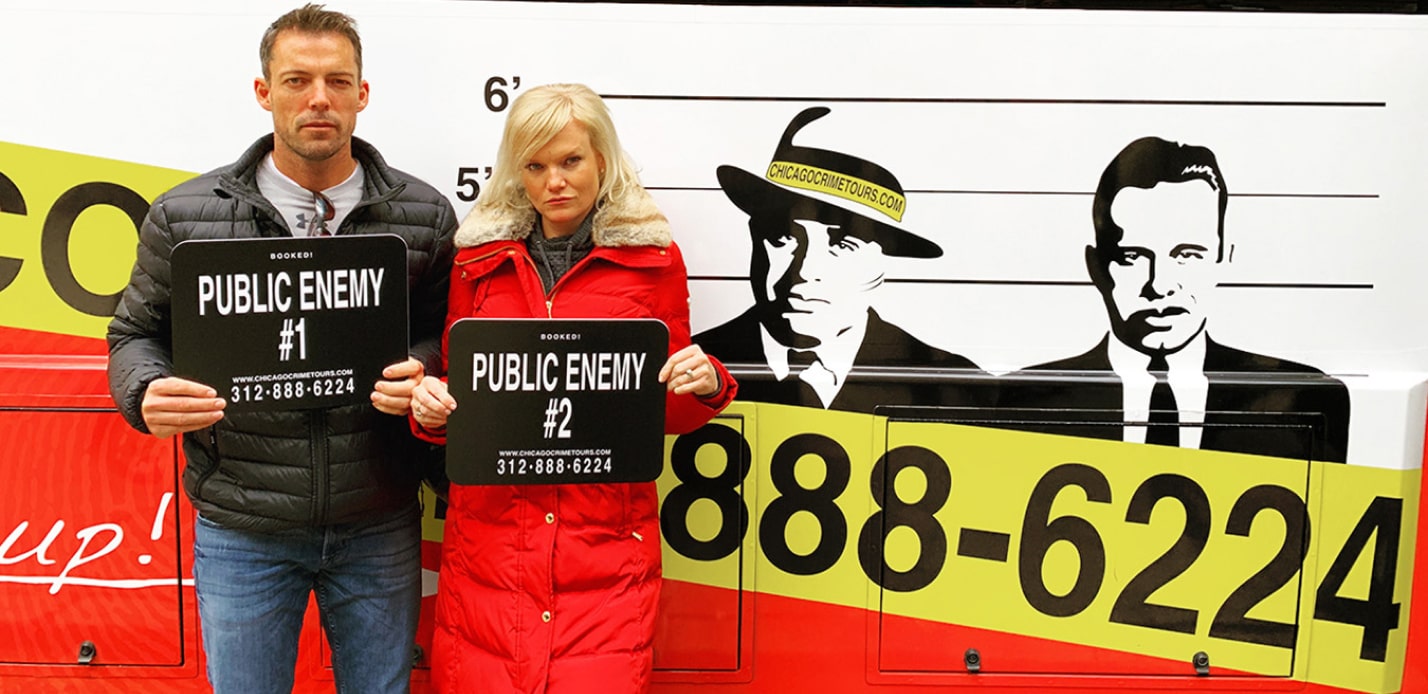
(823, 224)
(1159, 217)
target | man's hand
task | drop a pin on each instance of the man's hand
(394, 395)
(175, 406)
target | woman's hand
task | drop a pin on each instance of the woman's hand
(392, 394)
(689, 371)
(432, 403)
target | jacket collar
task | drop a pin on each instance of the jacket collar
(633, 220)
(241, 177)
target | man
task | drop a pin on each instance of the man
(303, 501)
(823, 224)
(1159, 216)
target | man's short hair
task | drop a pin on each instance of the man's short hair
(313, 19)
(1145, 163)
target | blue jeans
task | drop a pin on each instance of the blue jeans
(253, 590)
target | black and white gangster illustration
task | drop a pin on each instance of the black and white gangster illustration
(822, 224)
(1158, 215)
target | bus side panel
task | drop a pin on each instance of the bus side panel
(95, 560)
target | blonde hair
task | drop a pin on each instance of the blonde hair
(536, 117)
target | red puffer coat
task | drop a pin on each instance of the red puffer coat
(553, 588)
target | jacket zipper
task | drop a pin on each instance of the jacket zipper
(498, 251)
(319, 466)
(523, 256)
(550, 298)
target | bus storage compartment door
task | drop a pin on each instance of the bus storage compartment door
(1007, 550)
(704, 623)
(90, 567)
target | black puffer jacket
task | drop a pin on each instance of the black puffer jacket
(274, 470)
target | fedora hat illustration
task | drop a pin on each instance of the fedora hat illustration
(807, 180)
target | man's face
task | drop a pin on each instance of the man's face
(314, 92)
(812, 279)
(1156, 279)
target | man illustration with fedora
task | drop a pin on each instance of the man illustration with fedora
(1158, 376)
(823, 223)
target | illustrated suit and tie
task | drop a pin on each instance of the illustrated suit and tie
(823, 224)
(1159, 216)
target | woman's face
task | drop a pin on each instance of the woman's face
(562, 180)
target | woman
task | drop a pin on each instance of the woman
(553, 588)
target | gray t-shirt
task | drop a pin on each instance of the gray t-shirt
(302, 209)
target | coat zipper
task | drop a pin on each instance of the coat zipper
(497, 251)
(549, 298)
(316, 426)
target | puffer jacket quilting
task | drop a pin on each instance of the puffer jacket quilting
(269, 471)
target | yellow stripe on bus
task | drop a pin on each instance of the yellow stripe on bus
(1080, 565)
(70, 227)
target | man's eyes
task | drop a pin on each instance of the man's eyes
(1128, 256)
(334, 83)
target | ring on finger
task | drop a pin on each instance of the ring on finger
(689, 374)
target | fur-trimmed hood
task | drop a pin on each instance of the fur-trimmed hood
(632, 220)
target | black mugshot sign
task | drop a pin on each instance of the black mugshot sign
(291, 323)
(556, 401)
